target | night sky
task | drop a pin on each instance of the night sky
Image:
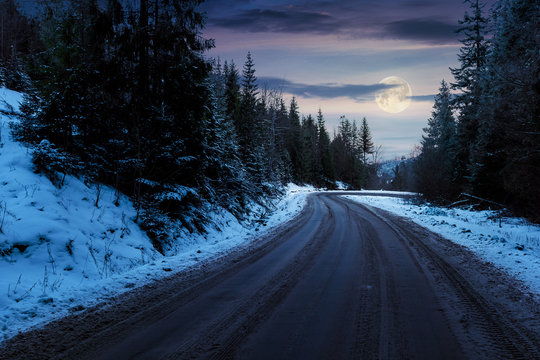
(332, 54)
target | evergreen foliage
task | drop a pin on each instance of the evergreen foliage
(327, 172)
(435, 165)
(495, 150)
(350, 154)
(125, 92)
(366, 147)
(294, 141)
(472, 58)
(19, 38)
(123, 95)
(505, 163)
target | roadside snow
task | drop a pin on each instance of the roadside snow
(512, 244)
(60, 253)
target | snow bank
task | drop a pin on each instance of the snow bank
(60, 252)
(512, 244)
(10, 100)
(57, 246)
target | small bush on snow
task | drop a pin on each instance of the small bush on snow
(52, 162)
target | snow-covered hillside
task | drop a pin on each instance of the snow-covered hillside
(512, 244)
(60, 252)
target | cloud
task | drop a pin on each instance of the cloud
(295, 20)
(423, 30)
(268, 20)
(357, 92)
(420, 98)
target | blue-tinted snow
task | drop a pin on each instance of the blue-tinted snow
(59, 251)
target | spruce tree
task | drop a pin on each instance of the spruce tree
(324, 151)
(232, 92)
(366, 141)
(435, 164)
(355, 160)
(124, 93)
(283, 134)
(505, 163)
(366, 148)
(225, 174)
(248, 113)
(294, 142)
(310, 166)
(19, 40)
(346, 152)
(472, 58)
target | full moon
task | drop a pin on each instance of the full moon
(394, 99)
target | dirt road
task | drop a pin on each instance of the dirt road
(340, 281)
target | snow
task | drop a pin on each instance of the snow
(340, 185)
(293, 188)
(10, 100)
(59, 252)
(511, 244)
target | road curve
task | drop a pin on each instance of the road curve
(340, 281)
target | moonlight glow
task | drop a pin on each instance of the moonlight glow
(394, 99)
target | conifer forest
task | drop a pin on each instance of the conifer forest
(231, 179)
(126, 96)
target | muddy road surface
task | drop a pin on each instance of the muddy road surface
(340, 281)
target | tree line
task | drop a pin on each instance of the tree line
(124, 96)
(483, 137)
(19, 37)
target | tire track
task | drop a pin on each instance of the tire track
(351, 281)
(386, 306)
(226, 335)
(81, 336)
(502, 339)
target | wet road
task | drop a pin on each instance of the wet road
(340, 281)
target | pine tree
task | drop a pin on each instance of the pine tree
(366, 147)
(435, 164)
(232, 94)
(276, 152)
(472, 58)
(310, 169)
(294, 141)
(346, 152)
(505, 163)
(283, 134)
(341, 150)
(355, 160)
(225, 174)
(125, 94)
(19, 38)
(324, 151)
(248, 114)
(366, 141)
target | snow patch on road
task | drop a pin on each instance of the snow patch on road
(61, 253)
(512, 244)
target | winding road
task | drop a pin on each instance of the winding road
(340, 281)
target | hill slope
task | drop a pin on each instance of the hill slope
(60, 251)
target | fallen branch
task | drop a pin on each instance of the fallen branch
(483, 200)
(458, 203)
